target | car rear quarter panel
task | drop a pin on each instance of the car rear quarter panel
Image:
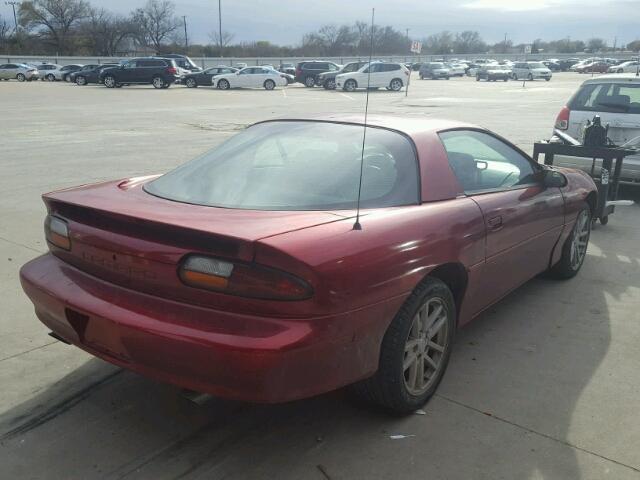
(386, 259)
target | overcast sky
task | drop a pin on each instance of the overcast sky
(285, 21)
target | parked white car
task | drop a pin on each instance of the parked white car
(251, 77)
(60, 73)
(626, 67)
(45, 68)
(530, 71)
(392, 76)
(457, 69)
(616, 99)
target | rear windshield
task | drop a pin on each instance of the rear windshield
(536, 65)
(298, 166)
(607, 97)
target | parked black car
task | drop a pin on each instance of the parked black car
(159, 72)
(89, 74)
(567, 63)
(205, 77)
(306, 72)
(328, 79)
(182, 61)
(288, 68)
(553, 66)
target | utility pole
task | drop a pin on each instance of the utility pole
(407, 29)
(220, 25)
(504, 50)
(186, 39)
(15, 18)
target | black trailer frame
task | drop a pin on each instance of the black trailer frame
(610, 175)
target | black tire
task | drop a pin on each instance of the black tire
(547, 79)
(80, 80)
(395, 85)
(604, 220)
(269, 84)
(110, 81)
(191, 83)
(330, 84)
(21, 77)
(309, 81)
(530, 77)
(166, 85)
(568, 266)
(421, 77)
(388, 386)
(157, 82)
(51, 77)
(505, 79)
(223, 84)
(477, 78)
(350, 85)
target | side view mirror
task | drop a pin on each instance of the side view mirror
(554, 179)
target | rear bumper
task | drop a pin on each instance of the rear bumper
(242, 357)
(630, 173)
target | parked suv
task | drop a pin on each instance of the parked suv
(307, 72)
(434, 70)
(392, 76)
(616, 99)
(328, 79)
(530, 71)
(159, 72)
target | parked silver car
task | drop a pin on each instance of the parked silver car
(616, 99)
(18, 71)
(61, 73)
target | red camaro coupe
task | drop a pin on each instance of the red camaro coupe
(244, 274)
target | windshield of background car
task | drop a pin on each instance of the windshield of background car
(607, 97)
(298, 165)
(536, 65)
(437, 65)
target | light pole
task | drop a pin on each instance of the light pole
(186, 39)
(15, 18)
(220, 25)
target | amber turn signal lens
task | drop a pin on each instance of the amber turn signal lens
(57, 232)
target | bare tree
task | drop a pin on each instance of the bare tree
(4, 31)
(596, 44)
(155, 22)
(227, 38)
(104, 31)
(55, 19)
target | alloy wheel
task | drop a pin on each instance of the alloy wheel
(396, 85)
(581, 232)
(190, 83)
(81, 80)
(21, 77)
(425, 346)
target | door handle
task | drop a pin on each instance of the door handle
(495, 223)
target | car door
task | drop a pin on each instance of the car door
(206, 77)
(127, 72)
(243, 79)
(523, 218)
(3, 71)
(259, 76)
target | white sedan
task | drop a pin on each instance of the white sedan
(457, 69)
(251, 77)
(626, 67)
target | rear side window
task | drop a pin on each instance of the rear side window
(298, 166)
(607, 97)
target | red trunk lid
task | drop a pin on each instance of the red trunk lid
(126, 236)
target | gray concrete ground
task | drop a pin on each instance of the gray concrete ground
(544, 385)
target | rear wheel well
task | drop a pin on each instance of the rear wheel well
(454, 275)
(592, 200)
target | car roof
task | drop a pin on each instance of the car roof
(614, 78)
(410, 126)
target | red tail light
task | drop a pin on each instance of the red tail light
(244, 280)
(562, 120)
(172, 70)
